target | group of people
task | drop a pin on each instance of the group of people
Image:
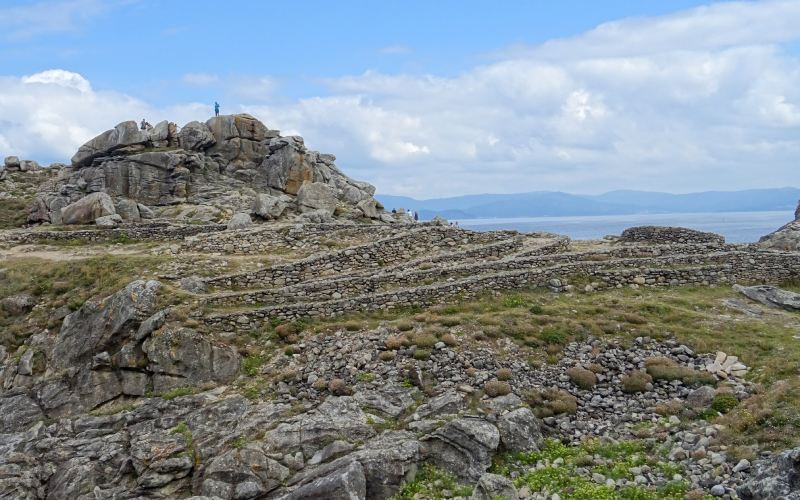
(412, 215)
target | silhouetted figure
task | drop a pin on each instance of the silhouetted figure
(797, 212)
(143, 125)
(416, 216)
(216, 108)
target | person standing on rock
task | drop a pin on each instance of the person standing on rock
(143, 125)
(216, 108)
(416, 216)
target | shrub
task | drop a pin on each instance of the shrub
(338, 387)
(285, 330)
(595, 368)
(666, 369)
(448, 322)
(394, 342)
(387, 355)
(422, 354)
(536, 309)
(320, 384)
(583, 378)
(405, 325)
(494, 388)
(450, 339)
(514, 301)
(550, 402)
(636, 381)
(671, 407)
(724, 402)
(423, 340)
(504, 374)
(352, 326)
(554, 334)
(251, 365)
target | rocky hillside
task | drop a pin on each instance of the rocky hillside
(201, 172)
(360, 361)
(786, 237)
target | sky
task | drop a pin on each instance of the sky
(430, 99)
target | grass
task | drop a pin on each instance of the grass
(69, 282)
(615, 461)
(430, 483)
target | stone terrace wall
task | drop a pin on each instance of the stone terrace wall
(742, 267)
(262, 239)
(661, 235)
(134, 232)
(371, 256)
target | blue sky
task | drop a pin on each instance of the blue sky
(431, 98)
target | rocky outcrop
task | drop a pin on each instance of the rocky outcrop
(771, 296)
(87, 209)
(775, 477)
(786, 238)
(211, 170)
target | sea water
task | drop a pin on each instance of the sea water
(736, 227)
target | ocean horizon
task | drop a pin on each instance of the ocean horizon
(736, 227)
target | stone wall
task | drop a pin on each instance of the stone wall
(369, 257)
(658, 234)
(661, 235)
(734, 267)
(155, 231)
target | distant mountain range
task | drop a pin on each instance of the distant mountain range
(556, 203)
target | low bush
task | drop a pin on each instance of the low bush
(551, 401)
(339, 387)
(504, 374)
(422, 354)
(636, 381)
(423, 340)
(724, 402)
(387, 355)
(494, 388)
(583, 378)
(394, 342)
(450, 339)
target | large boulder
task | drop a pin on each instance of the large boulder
(464, 447)
(389, 461)
(316, 196)
(17, 305)
(100, 325)
(124, 134)
(108, 221)
(11, 163)
(195, 136)
(771, 296)
(240, 221)
(128, 209)
(87, 209)
(240, 139)
(493, 487)
(520, 430)
(777, 476)
(786, 238)
(270, 207)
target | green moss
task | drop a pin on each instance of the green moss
(178, 392)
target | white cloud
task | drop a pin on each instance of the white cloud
(46, 116)
(707, 98)
(54, 16)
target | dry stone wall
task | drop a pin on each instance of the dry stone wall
(132, 231)
(737, 267)
(658, 234)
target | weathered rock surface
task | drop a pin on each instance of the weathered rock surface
(786, 238)
(771, 296)
(87, 209)
(240, 220)
(464, 447)
(17, 305)
(492, 487)
(775, 477)
(223, 165)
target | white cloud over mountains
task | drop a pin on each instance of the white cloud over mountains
(707, 98)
